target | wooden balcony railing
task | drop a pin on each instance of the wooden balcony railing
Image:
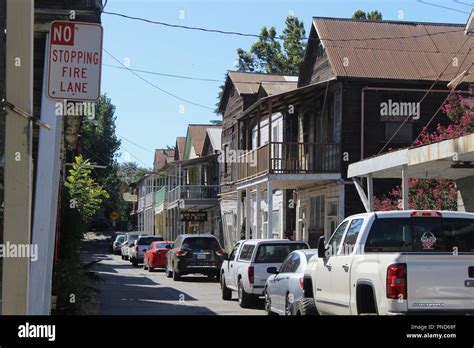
(290, 158)
(196, 192)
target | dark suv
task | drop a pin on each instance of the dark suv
(194, 253)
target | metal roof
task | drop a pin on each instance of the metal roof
(395, 50)
(249, 83)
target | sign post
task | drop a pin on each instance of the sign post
(75, 61)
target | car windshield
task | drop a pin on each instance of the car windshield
(148, 240)
(276, 253)
(201, 243)
(164, 246)
(421, 235)
(120, 238)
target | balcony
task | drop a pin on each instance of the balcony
(193, 192)
(290, 158)
(160, 195)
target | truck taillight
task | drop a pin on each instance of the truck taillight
(302, 283)
(433, 214)
(220, 252)
(251, 274)
(180, 252)
(397, 281)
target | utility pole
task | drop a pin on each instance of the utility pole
(18, 152)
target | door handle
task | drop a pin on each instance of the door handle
(346, 267)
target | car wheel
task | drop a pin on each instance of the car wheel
(245, 300)
(306, 306)
(176, 276)
(226, 292)
(288, 305)
(268, 304)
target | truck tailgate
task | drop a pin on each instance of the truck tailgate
(440, 282)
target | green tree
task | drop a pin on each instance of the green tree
(129, 172)
(84, 193)
(99, 143)
(372, 15)
(267, 54)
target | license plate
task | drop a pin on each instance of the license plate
(201, 256)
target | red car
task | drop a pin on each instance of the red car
(155, 256)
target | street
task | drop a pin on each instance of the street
(125, 290)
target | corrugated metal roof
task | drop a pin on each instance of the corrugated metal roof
(249, 83)
(272, 87)
(395, 50)
(215, 137)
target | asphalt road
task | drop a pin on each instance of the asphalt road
(133, 291)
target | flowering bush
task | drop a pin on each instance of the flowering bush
(437, 194)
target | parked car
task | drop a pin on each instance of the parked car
(137, 250)
(245, 269)
(155, 256)
(284, 288)
(392, 263)
(116, 244)
(194, 253)
(130, 237)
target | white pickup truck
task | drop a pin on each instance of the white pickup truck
(397, 262)
(245, 269)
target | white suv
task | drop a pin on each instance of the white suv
(245, 270)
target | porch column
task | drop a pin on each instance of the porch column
(370, 192)
(297, 220)
(258, 212)
(269, 208)
(248, 212)
(405, 187)
(239, 213)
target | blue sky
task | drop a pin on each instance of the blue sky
(152, 119)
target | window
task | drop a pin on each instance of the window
(148, 240)
(276, 222)
(234, 251)
(291, 264)
(335, 241)
(276, 253)
(201, 243)
(421, 235)
(246, 253)
(351, 235)
(316, 212)
(404, 135)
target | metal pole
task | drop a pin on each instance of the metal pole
(18, 153)
(405, 186)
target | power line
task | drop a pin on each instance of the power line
(282, 37)
(424, 96)
(441, 6)
(444, 101)
(182, 26)
(155, 86)
(464, 3)
(131, 142)
(163, 74)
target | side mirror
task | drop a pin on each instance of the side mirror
(322, 247)
(272, 270)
